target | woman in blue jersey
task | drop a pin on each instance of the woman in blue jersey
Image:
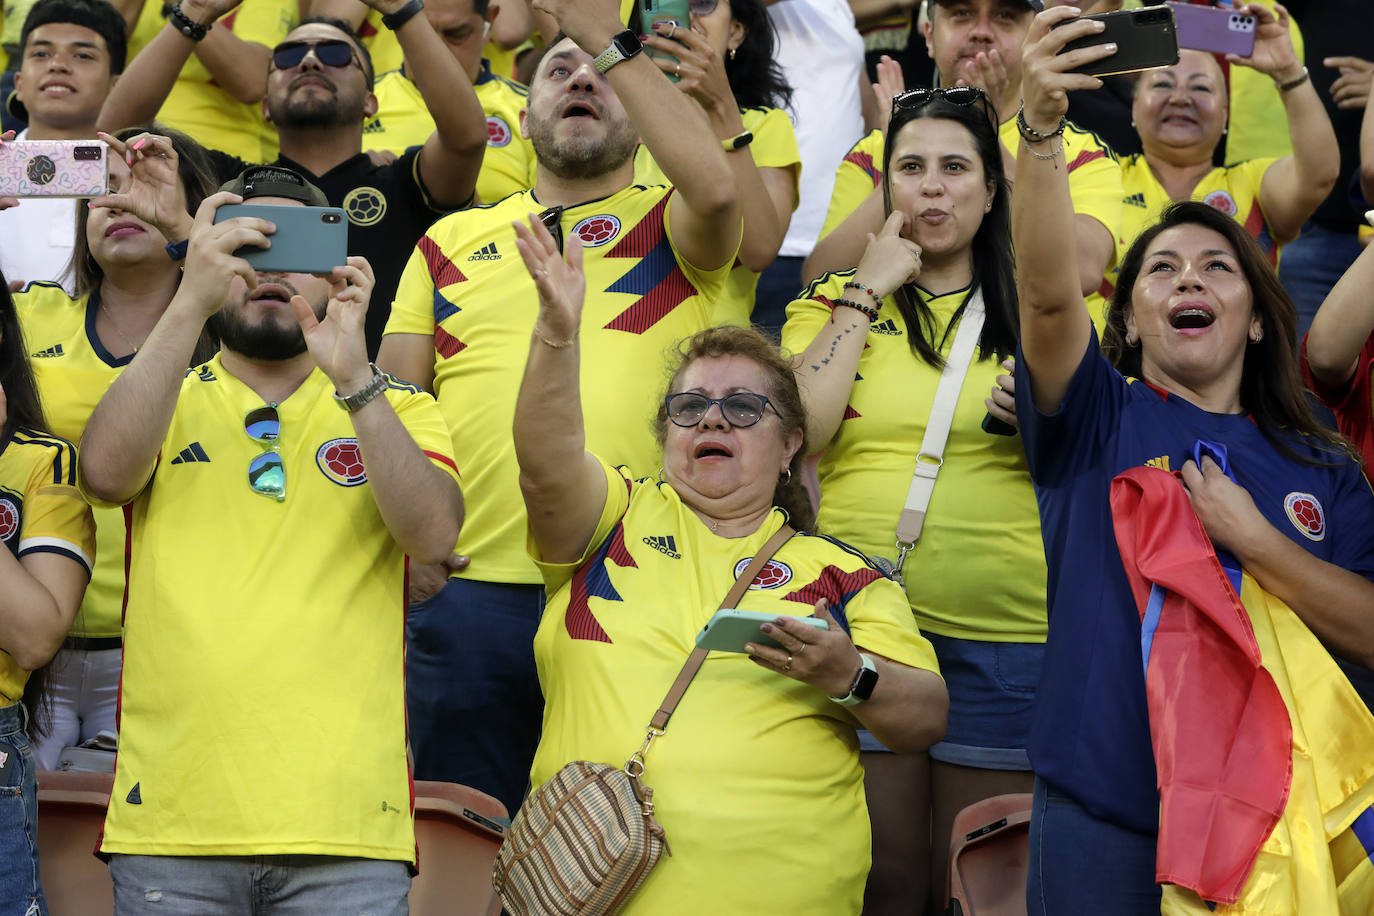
(47, 539)
(1201, 323)
(875, 341)
(635, 568)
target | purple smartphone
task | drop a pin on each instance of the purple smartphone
(1214, 29)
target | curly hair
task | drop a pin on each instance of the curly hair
(1271, 388)
(778, 368)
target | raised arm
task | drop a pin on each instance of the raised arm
(514, 23)
(1055, 327)
(1367, 146)
(705, 216)
(420, 504)
(120, 446)
(563, 485)
(1343, 324)
(825, 372)
(846, 243)
(1296, 185)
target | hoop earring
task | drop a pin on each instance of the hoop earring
(788, 476)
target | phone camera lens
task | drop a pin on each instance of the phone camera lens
(330, 217)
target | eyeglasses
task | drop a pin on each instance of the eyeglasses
(266, 472)
(702, 7)
(740, 408)
(552, 218)
(963, 96)
(332, 52)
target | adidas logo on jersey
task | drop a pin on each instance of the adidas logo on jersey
(373, 127)
(191, 454)
(664, 545)
(55, 350)
(1135, 200)
(888, 327)
(486, 253)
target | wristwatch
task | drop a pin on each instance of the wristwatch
(861, 688)
(624, 45)
(368, 392)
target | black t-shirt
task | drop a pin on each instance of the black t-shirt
(388, 210)
(1107, 113)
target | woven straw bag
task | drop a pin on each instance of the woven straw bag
(585, 840)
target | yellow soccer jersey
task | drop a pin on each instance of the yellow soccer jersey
(1234, 190)
(860, 171)
(467, 286)
(262, 706)
(978, 571)
(403, 121)
(41, 511)
(765, 749)
(1259, 122)
(774, 147)
(198, 106)
(381, 43)
(73, 370)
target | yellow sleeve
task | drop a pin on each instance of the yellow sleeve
(880, 620)
(807, 315)
(264, 21)
(859, 173)
(775, 142)
(1094, 178)
(419, 414)
(55, 518)
(709, 283)
(1259, 123)
(413, 310)
(618, 488)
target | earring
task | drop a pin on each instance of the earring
(732, 53)
(786, 476)
(1132, 338)
(1256, 336)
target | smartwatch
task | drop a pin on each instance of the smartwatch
(861, 688)
(624, 45)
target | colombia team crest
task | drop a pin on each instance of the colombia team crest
(342, 462)
(1221, 200)
(9, 517)
(498, 131)
(597, 230)
(774, 574)
(1305, 512)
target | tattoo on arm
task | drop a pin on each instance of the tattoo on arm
(834, 344)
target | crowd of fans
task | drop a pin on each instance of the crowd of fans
(1022, 355)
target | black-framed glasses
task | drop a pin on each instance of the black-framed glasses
(331, 52)
(739, 408)
(266, 472)
(963, 96)
(552, 218)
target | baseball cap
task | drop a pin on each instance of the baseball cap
(1037, 5)
(275, 181)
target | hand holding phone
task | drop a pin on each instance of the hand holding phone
(1145, 39)
(729, 629)
(652, 12)
(308, 240)
(53, 168)
(1216, 30)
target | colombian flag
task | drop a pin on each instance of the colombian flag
(1264, 751)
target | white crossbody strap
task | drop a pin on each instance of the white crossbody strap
(931, 454)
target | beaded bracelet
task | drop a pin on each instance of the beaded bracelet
(854, 284)
(186, 25)
(1030, 134)
(872, 313)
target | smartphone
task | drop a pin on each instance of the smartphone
(675, 11)
(1146, 39)
(995, 427)
(53, 168)
(1214, 29)
(728, 630)
(308, 240)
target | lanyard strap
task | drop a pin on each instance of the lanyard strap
(930, 456)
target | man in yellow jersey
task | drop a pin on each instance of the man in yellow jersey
(655, 260)
(978, 43)
(71, 53)
(273, 495)
(319, 95)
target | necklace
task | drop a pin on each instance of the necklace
(115, 326)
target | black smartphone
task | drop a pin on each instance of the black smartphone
(1146, 39)
(996, 427)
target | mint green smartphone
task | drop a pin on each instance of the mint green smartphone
(728, 630)
(651, 11)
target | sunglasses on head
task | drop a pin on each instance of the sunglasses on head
(955, 95)
(331, 52)
(740, 408)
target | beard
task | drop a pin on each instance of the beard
(576, 158)
(268, 340)
(294, 110)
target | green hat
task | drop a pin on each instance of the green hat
(275, 181)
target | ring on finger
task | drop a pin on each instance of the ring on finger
(672, 30)
(787, 665)
(802, 649)
(678, 71)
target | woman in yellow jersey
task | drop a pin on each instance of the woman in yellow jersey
(1181, 113)
(725, 62)
(77, 345)
(874, 342)
(45, 561)
(757, 779)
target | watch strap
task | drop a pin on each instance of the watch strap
(738, 141)
(624, 45)
(394, 21)
(368, 392)
(857, 694)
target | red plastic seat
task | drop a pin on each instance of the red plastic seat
(71, 811)
(459, 831)
(989, 856)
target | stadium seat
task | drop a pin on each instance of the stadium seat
(71, 811)
(458, 831)
(988, 857)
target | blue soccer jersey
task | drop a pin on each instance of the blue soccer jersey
(1090, 734)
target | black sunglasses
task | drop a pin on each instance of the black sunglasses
(552, 218)
(913, 99)
(332, 52)
(740, 408)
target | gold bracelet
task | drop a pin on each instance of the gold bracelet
(556, 344)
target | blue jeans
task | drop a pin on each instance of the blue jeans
(778, 285)
(21, 893)
(1311, 265)
(472, 690)
(258, 885)
(1080, 864)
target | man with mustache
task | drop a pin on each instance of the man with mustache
(655, 259)
(262, 748)
(319, 94)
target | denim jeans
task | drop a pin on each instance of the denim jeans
(1080, 864)
(472, 690)
(21, 894)
(258, 886)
